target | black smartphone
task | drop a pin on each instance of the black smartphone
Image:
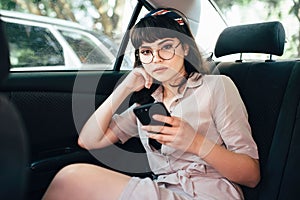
(145, 112)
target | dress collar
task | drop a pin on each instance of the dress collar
(194, 81)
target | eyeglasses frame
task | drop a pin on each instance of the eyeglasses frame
(174, 49)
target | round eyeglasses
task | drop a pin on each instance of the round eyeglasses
(166, 52)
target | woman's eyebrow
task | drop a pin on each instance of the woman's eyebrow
(166, 40)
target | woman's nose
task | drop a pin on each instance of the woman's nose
(156, 57)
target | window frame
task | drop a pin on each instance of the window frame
(71, 60)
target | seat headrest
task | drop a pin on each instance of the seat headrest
(267, 37)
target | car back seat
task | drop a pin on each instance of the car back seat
(270, 91)
(13, 143)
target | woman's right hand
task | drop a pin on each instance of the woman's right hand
(96, 132)
(137, 79)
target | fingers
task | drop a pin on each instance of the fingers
(173, 121)
(167, 133)
(157, 129)
(161, 138)
(147, 78)
(179, 136)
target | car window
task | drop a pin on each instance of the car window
(108, 25)
(255, 11)
(210, 26)
(85, 38)
(86, 49)
(32, 46)
(129, 53)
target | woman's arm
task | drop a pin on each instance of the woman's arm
(231, 119)
(237, 167)
(96, 133)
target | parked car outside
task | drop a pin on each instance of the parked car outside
(39, 43)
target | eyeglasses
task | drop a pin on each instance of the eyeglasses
(167, 52)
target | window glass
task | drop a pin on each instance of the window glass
(86, 49)
(129, 54)
(106, 20)
(255, 11)
(32, 46)
(210, 26)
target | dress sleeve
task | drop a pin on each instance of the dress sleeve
(231, 118)
(124, 125)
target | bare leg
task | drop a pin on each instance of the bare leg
(84, 181)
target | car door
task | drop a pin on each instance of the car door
(53, 114)
(54, 105)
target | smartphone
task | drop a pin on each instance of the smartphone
(145, 112)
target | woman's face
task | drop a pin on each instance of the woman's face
(163, 59)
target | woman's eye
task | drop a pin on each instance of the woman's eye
(145, 52)
(167, 47)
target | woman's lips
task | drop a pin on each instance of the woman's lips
(159, 69)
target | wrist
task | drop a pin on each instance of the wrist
(196, 144)
(205, 148)
(201, 146)
(123, 89)
(127, 88)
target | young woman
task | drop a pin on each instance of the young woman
(205, 154)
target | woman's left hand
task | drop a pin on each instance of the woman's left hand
(180, 135)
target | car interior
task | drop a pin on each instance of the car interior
(269, 91)
(42, 113)
(14, 149)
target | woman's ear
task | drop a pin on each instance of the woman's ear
(186, 49)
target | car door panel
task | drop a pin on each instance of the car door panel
(45, 103)
(49, 103)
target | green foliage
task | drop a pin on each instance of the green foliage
(295, 9)
(227, 4)
(36, 1)
(274, 8)
(7, 4)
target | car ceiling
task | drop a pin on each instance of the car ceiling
(191, 8)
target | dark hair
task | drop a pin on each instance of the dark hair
(161, 23)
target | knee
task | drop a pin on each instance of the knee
(69, 174)
(65, 181)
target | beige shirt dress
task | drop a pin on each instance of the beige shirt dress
(213, 106)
